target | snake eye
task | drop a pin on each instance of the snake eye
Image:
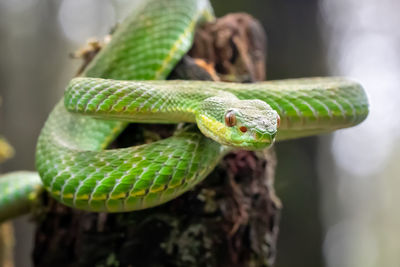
(278, 121)
(230, 119)
(243, 129)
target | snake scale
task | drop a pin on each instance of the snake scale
(124, 83)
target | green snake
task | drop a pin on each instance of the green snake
(125, 83)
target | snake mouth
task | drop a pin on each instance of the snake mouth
(264, 137)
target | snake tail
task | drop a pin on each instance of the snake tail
(19, 193)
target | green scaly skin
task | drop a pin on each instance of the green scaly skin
(71, 160)
(19, 192)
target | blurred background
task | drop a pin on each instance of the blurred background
(340, 191)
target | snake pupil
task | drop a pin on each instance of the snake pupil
(230, 119)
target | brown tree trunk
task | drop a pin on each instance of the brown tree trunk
(231, 219)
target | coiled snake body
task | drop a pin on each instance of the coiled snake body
(72, 160)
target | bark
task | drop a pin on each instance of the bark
(231, 219)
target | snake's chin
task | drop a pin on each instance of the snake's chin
(254, 145)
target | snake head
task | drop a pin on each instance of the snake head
(244, 124)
